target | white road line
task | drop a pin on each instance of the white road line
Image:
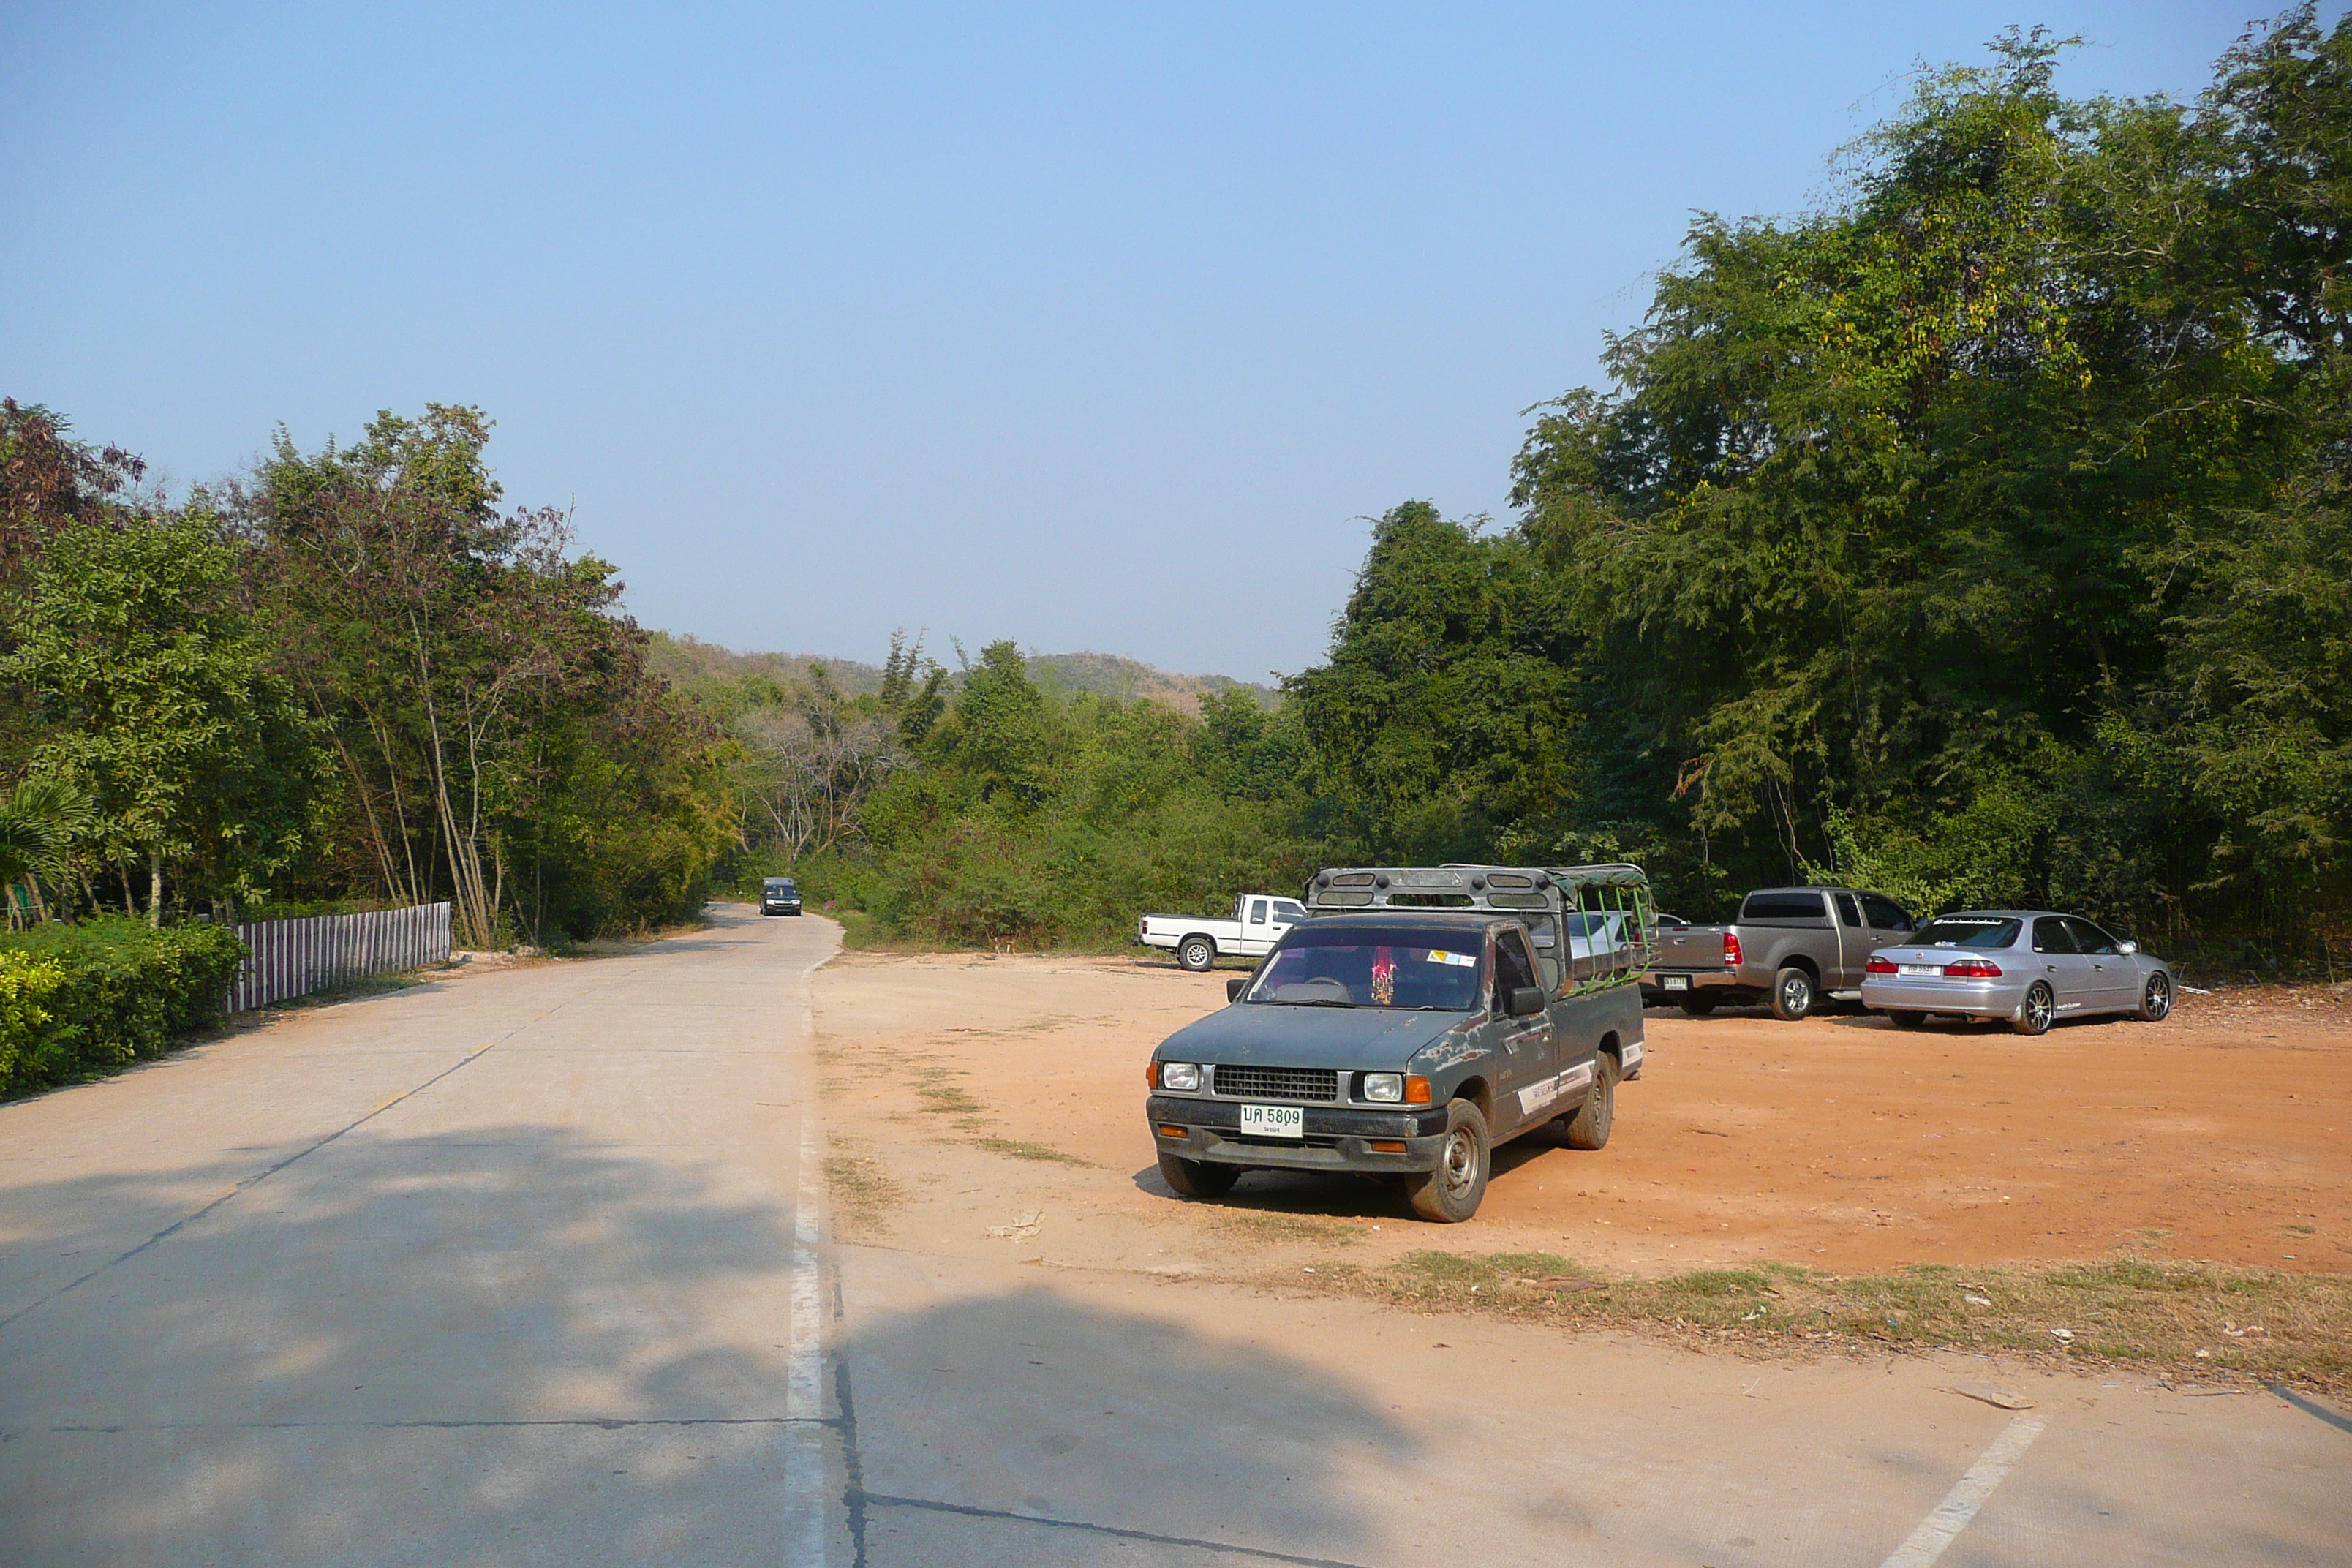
(804, 1372)
(1967, 1494)
(807, 1500)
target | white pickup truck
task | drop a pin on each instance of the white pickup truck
(1259, 921)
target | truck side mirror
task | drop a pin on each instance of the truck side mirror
(1525, 1000)
(1236, 985)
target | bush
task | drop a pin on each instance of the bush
(119, 991)
(25, 984)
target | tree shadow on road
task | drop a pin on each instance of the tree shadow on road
(1030, 1424)
(471, 1348)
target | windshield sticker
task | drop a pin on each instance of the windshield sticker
(1459, 960)
(1383, 978)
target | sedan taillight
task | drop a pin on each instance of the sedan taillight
(1973, 969)
(1731, 950)
(1882, 966)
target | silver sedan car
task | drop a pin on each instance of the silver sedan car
(2028, 967)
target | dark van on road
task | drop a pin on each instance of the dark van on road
(780, 896)
(1415, 1019)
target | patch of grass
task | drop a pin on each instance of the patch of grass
(1271, 1226)
(943, 1096)
(1019, 1148)
(2292, 1327)
(863, 1193)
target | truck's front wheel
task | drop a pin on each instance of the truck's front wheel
(1197, 1178)
(1452, 1193)
(1195, 953)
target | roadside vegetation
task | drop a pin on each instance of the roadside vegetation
(1983, 536)
(2190, 1319)
(350, 679)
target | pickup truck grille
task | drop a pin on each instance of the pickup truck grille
(1279, 1083)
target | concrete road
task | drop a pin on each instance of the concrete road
(498, 1270)
(526, 1269)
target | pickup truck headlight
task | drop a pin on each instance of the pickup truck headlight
(1182, 1077)
(1387, 1088)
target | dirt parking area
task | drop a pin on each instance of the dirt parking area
(992, 1103)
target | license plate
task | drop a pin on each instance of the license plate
(1273, 1121)
(1920, 969)
(1677, 982)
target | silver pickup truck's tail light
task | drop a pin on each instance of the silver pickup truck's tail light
(1182, 1077)
(1386, 1088)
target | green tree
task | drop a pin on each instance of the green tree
(1447, 715)
(39, 820)
(158, 705)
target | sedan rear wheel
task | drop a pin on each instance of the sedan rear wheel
(1903, 1018)
(2156, 999)
(2041, 1007)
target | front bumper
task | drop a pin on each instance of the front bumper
(791, 908)
(2002, 998)
(1336, 1138)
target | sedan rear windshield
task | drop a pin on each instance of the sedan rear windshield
(1965, 930)
(1322, 966)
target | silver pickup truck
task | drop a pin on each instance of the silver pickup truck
(1791, 947)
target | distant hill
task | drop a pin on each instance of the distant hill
(689, 661)
(1108, 675)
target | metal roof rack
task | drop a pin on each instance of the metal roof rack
(1608, 942)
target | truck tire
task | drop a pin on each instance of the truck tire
(1793, 994)
(1195, 954)
(1588, 1125)
(1198, 1178)
(1697, 1007)
(2156, 1000)
(2041, 1007)
(1452, 1193)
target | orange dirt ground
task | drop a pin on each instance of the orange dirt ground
(1839, 1144)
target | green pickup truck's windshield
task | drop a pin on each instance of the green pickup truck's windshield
(1436, 970)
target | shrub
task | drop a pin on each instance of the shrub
(25, 984)
(122, 990)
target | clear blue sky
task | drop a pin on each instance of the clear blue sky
(1096, 328)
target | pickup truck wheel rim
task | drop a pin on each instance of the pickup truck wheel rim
(1461, 1162)
(1795, 993)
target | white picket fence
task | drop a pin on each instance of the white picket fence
(294, 958)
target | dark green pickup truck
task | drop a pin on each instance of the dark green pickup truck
(1417, 1017)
